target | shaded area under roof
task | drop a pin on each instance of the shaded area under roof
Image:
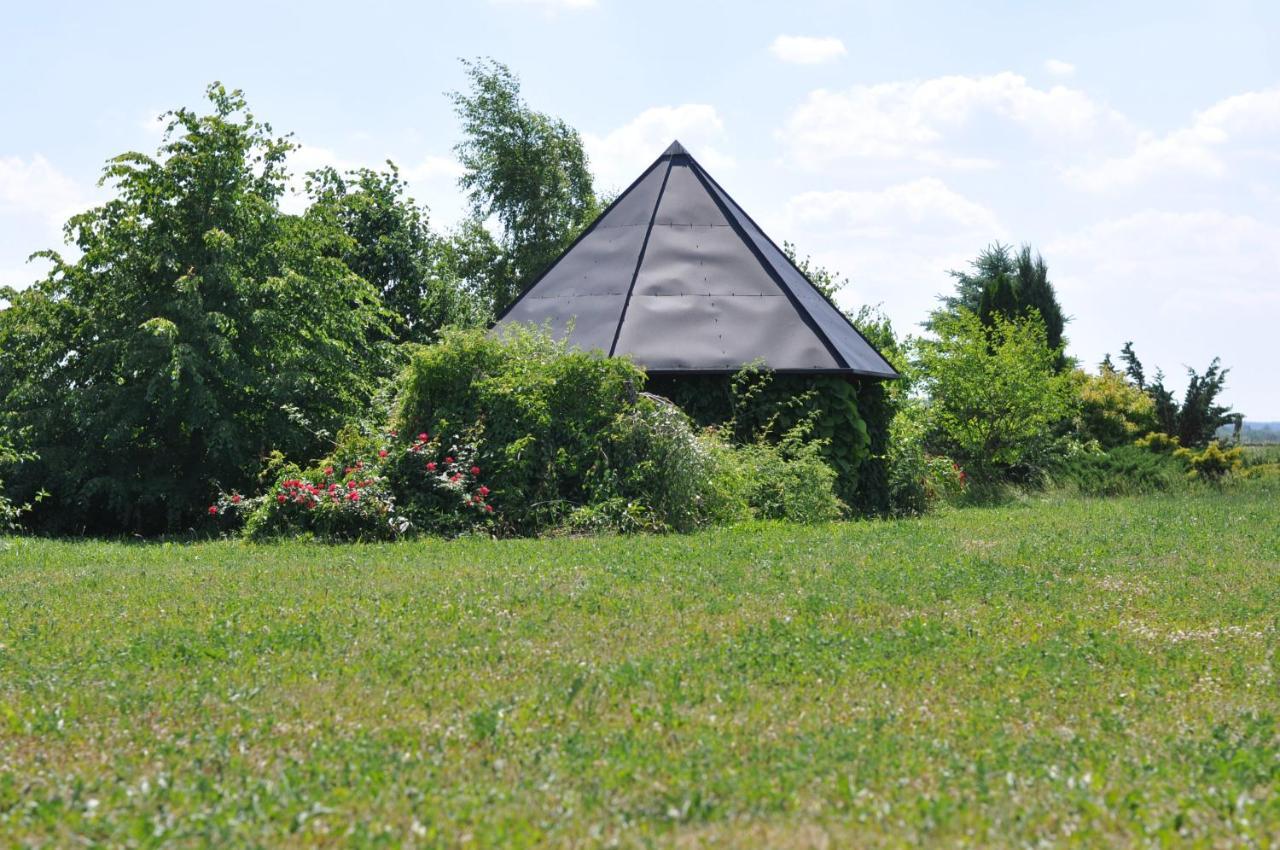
(675, 274)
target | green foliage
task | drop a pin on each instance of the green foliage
(548, 419)
(789, 479)
(1197, 419)
(1113, 660)
(525, 169)
(1011, 286)
(356, 492)
(917, 479)
(1112, 410)
(200, 328)
(661, 475)
(1159, 442)
(1124, 470)
(390, 244)
(9, 512)
(757, 405)
(996, 398)
(1213, 462)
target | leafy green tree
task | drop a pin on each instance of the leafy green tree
(525, 170)
(1002, 283)
(392, 246)
(199, 329)
(995, 396)
(1197, 419)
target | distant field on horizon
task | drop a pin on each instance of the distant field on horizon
(1092, 672)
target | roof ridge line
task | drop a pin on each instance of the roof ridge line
(809, 321)
(622, 317)
(830, 301)
(590, 228)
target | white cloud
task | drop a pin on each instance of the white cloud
(1184, 286)
(549, 6)
(912, 120)
(618, 157)
(36, 199)
(1245, 124)
(1059, 68)
(807, 50)
(36, 187)
(926, 203)
(432, 168)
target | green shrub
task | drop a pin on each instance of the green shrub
(543, 415)
(662, 475)
(1158, 442)
(917, 479)
(755, 405)
(1122, 471)
(1112, 410)
(1212, 463)
(356, 493)
(997, 400)
(788, 480)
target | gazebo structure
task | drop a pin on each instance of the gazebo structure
(676, 276)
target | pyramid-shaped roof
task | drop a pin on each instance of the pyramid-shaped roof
(676, 275)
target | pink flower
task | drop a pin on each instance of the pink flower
(280, 498)
(213, 510)
(448, 460)
(484, 491)
(489, 508)
(382, 452)
(431, 466)
(422, 438)
(475, 470)
(351, 485)
(235, 498)
(328, 470)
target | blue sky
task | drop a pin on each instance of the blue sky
(1136, 145)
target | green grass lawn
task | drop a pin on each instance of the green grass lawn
(1059, 671)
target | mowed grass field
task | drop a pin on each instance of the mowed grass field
(1055, 672)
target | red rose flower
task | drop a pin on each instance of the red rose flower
(431, 466)
(489, 508)
(235, 498)
(213, 510)
(484, 491)
(382, 452)
(422, 438)
(448, 460)
(280, 498)
(328, 470)
(475, 470)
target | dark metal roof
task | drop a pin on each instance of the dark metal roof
(677, 276)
